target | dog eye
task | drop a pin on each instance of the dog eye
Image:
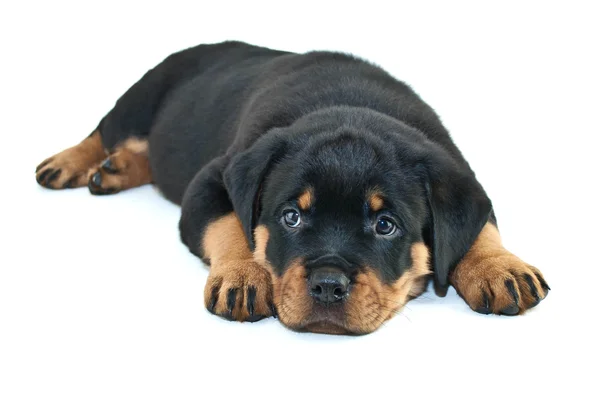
(385, 227)
(291, 218)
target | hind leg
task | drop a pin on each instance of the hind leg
(86, 164)
(122, 133)
(126, 167)
(70, 167)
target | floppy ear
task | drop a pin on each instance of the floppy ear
(245, 174)
(459, 208)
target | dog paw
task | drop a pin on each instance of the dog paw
(69, 168)
(107, 178)
(120, 171)
(239, 291)
(499, 283)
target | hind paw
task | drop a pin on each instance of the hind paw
(105, 179)
(121, 170)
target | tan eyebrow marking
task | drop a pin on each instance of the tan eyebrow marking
(305, 200)
(375, 200)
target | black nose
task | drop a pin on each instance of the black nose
(328, 285)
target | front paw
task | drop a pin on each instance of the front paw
(500, 283)
(240, 291)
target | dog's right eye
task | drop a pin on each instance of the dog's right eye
(291, 217)
(385, 227)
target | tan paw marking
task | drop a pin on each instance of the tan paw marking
(121, 170)
(493, 280)
(239, 290)
(70, 167)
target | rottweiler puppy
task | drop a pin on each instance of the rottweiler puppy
(319, 188)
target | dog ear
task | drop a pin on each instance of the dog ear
(458, 209)
(244, 175)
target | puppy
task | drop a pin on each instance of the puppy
(317, 187)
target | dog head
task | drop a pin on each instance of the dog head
(353, 212)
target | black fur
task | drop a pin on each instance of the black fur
(234, 127)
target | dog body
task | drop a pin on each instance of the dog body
(317, 187)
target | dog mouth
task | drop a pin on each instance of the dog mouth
(331, 319)
(326, 300)
(321, 325)
(327, 303)
(326, 327)
(326, 319)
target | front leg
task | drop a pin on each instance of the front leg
(237, 288)
(493, 280)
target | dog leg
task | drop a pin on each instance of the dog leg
(238, 288)
(125, 168)
(493, 280)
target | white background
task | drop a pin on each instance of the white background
(100, 301)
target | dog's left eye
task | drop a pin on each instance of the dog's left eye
(385, 227)
(291, 218)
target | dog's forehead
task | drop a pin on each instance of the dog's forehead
(342, 171)
(343, 167)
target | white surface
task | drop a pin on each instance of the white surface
(100, 301)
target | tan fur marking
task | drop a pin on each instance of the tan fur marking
(291, 297)
(261, 238)
(224, 240)
(372, 302)
(326, 328)
(290, 292)
(375, 201)
(72, 164)
(306, 199)
(130, 170)
(239, 275)
(486, 268)
(233, 267)
(135, 145)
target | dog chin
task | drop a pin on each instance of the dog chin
(325, 320)
(326, 327)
